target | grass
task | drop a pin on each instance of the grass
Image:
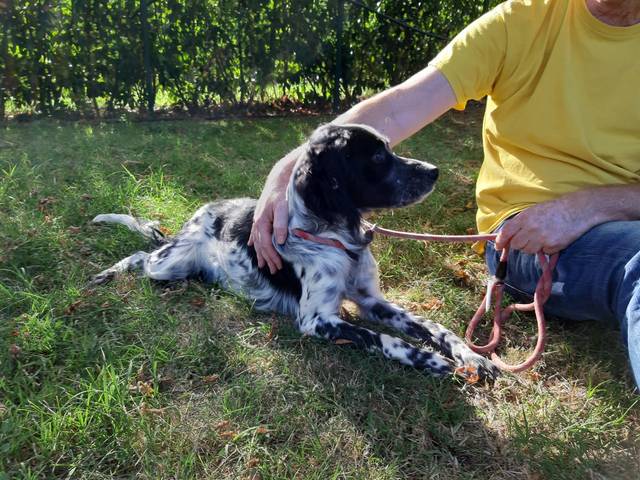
(150, 380)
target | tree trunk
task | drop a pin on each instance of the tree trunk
(146, 52)
(337, 73)
(5, 15)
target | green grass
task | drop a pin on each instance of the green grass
(148, 380)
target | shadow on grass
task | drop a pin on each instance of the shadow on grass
(294, 406)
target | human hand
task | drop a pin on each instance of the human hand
(548, 227)
(271, 216)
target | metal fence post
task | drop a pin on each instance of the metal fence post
(337, 74)
(146, 53)
(5, 11)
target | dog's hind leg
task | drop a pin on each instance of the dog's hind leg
(133, 262)
(176, 260)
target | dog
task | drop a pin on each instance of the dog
(344, 172)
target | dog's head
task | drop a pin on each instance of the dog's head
(350, 169)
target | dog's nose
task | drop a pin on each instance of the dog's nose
(433, 174)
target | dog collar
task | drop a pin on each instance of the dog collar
(324, 241)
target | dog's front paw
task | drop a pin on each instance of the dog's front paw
(102, 278)
(472, 366)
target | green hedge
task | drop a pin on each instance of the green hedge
(89, 54)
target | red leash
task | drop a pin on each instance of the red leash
(494, 293)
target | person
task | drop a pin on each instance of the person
(561, 140)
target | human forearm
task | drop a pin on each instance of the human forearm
(552, 226)
(401, 111)
(281, 172)
(397, 113)
(606, 204)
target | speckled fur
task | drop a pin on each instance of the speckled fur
(345, 171)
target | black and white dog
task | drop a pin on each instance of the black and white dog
(345, 171)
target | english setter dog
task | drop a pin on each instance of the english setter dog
(345, 171)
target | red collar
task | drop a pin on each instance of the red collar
(314, 238)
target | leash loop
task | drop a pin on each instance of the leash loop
(494, 294)
(501, 315)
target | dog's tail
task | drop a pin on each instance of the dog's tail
(149, 229)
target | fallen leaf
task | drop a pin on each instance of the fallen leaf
(74, 230)
(342, 341)
(145, 388)
(470, 204)
(253, 462)
(471, 379)
(222, 425)
(46, 201)
(150, 411)
(73, 307)
(433, 304)
(262, 430)
(229, 434)
(14, 350)
(197, 302)
(535, 376)
(210, 378)
(165, 230)
(460, 274)
(273, 330)
(469, 374)
(44, 204)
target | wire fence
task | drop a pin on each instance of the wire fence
(100, 56)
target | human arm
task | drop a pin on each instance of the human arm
(397, 113)
(552, 226)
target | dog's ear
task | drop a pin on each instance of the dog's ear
(321, 180)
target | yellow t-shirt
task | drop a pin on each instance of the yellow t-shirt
(563, 106)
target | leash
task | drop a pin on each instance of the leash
(495, 289)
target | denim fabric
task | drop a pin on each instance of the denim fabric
(596, 278)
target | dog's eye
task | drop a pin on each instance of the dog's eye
(379, 157)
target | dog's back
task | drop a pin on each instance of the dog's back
(212, 247)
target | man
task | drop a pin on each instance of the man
(561, 140)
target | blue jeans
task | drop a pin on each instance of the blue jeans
(597, 278)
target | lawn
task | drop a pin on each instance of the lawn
(182, 380)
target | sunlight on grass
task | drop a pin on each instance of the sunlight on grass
(182, 380)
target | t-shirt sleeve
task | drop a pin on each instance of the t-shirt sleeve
(474, 58)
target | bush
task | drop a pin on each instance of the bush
(83, 55)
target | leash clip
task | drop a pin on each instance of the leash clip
(495, 280)
(368, 233)
(492, 282)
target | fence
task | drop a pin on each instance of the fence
(102, 55)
